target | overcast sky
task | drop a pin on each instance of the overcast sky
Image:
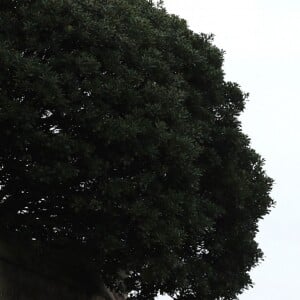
(262, 43)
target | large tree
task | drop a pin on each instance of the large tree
(120, 135)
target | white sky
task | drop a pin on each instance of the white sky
(262, 42)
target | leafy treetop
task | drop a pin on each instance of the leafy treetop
(120, 135)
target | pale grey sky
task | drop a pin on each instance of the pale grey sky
(262, 43)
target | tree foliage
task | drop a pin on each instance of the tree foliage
(120, 134)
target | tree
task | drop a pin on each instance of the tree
(120, 135)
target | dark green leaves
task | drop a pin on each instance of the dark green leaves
(120, 134)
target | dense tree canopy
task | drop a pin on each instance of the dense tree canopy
(120, 135)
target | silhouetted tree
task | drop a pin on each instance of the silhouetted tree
(120, 134)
